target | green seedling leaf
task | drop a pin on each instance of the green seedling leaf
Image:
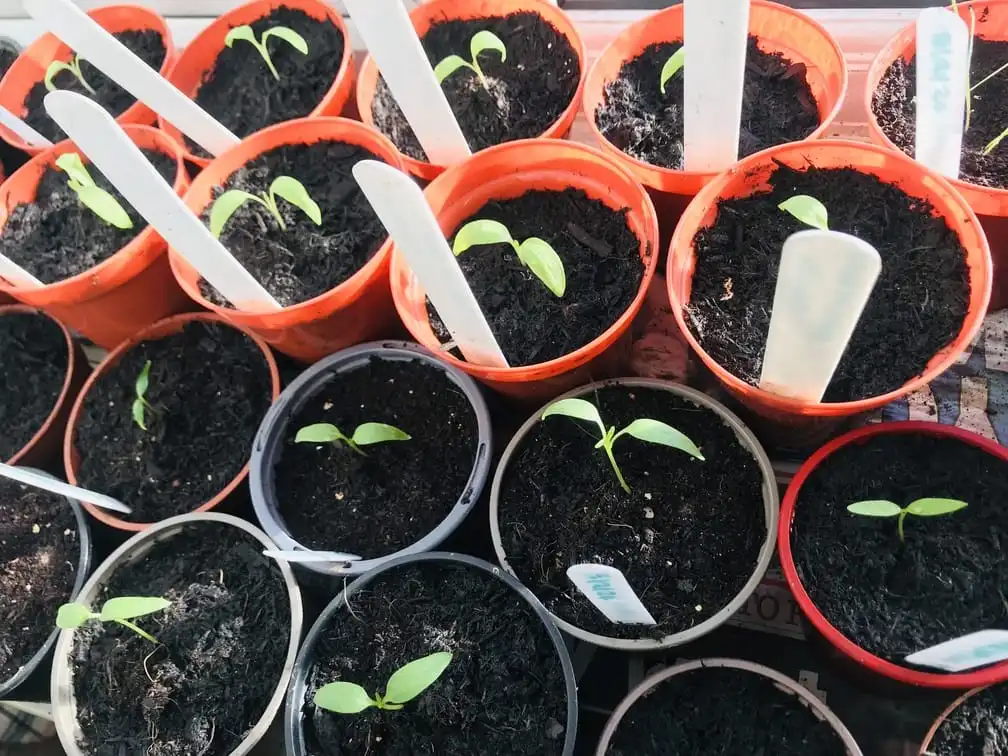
(143, 380)
(545, 263)
(73, 615)
(289, 36)
(72, 165)
(104, 205)
(480, 233)
(246, 34)
(808, 210)
(294, 192)
(377, 433)
(933, 507)
(993, 143)
(227, 205)
(411, 680)
(875, 508)
(320, 433)
(576, 408)
(139, 413)
(131, 607)
(671, 67)
(53, 70)
(448, 66)
(657, 432)
(240, 33)
(483, 41)
(343, 698)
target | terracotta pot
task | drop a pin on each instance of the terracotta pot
(933, 730)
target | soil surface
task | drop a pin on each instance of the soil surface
(602, 263)
(147, 44)
(242, 93)
(222, 647)
(978, 727)
(945, 580)
(777, 106)
(895, 109)
(502, 695)
(305, 260)
(524, 95)
(722, 712)
(335, 499)
(687, 537)
(210, 387)
(916, 308)
(56, 236)
(39, 557)
(33, 352)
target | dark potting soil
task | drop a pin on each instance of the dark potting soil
(524, 96)
(39, 556)
(722, 712)
(305, 260)
(210, 387)
(33, 352)
(687, 537)
(222, 647)
(946, 580)
(147, 44)
(502, 695)
(8, 55)
(602, 263)
(56, 236)
(242, 93)
(977, 727)
(916, 308)
(895, 109)
(777, 106)
(334, 499)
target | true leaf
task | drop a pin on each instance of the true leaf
(72, 165)
(411, 680)
(289, 36)
(542, 260)
(932, 507)
(139, 414)
(225, 206)
(875, 508)
(72, 615)
(294, 192)
(143, 380)
(657, 432)
(240, 32)
(54, 68)
(319, 433)
(130, 607)
(577, 408)
(486, 40)
(376, 433)
(448, 66)
(808, 210)
(672, 65)
(481, 232)
(105, 206)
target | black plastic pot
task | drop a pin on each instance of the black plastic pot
(293, 730)
(270, 437)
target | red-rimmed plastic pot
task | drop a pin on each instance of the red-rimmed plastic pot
(427, 14)
(125, 292)
(974, 728)
(858, 660)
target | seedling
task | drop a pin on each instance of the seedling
(404, 685)
(118, 610)
(481, 42)
(92, 196)
(928, 507)
(672, 66)
(74, 67)
(644, 429)
(808, 210)
(993, 143)
(140, 404)
(363, 435)
(289, 36)
(534, 253)
(286, 187)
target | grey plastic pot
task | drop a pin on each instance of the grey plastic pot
(771, 511)
(293, 729)
(61, 684)
(270, 438)
(32, 677)
(784, 683)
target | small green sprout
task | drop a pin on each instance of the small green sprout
(672, 66)
(644, 429)
(289, 36)
(481, 42)
(535, 254)
(92, 196)
(364, 435)
(405, 684)
(993, 143)
(118, 610)
(140, 404)
(928, 507)
(73, 67)
(286, 187)
(808, 210)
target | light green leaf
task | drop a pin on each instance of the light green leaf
(143, 380)
(411, 680)
(577, 408)
(993, 143)
(139, 416)
(808, 210)
(376, 433)
(227, 205)
(875, 508)
(294, 192)
(72, 165)
(343, 698)
(319, 433)
(932, 507)
(657, 432)
(486, 40)
(73, 615)
(240, 32)
(104, 205)
(481, 232)
(54, 68)
(542, 260)
(131, 607)
(289, 36)
(671, 67)
(450, 65)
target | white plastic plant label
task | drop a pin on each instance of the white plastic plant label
(607, 588)
(942, 80)
(966, 652)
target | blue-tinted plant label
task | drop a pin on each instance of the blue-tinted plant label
(942, 82)
(608, 589)
(967, 652)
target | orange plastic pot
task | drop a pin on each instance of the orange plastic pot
(30, 67)
(131, 289)
(359, 309)
(778, 28)
(199, 56)
(507, 171)
(990, 204)
(162, 329)
(425, 15)
(43, 448)
(925, 747)
(751, 175)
